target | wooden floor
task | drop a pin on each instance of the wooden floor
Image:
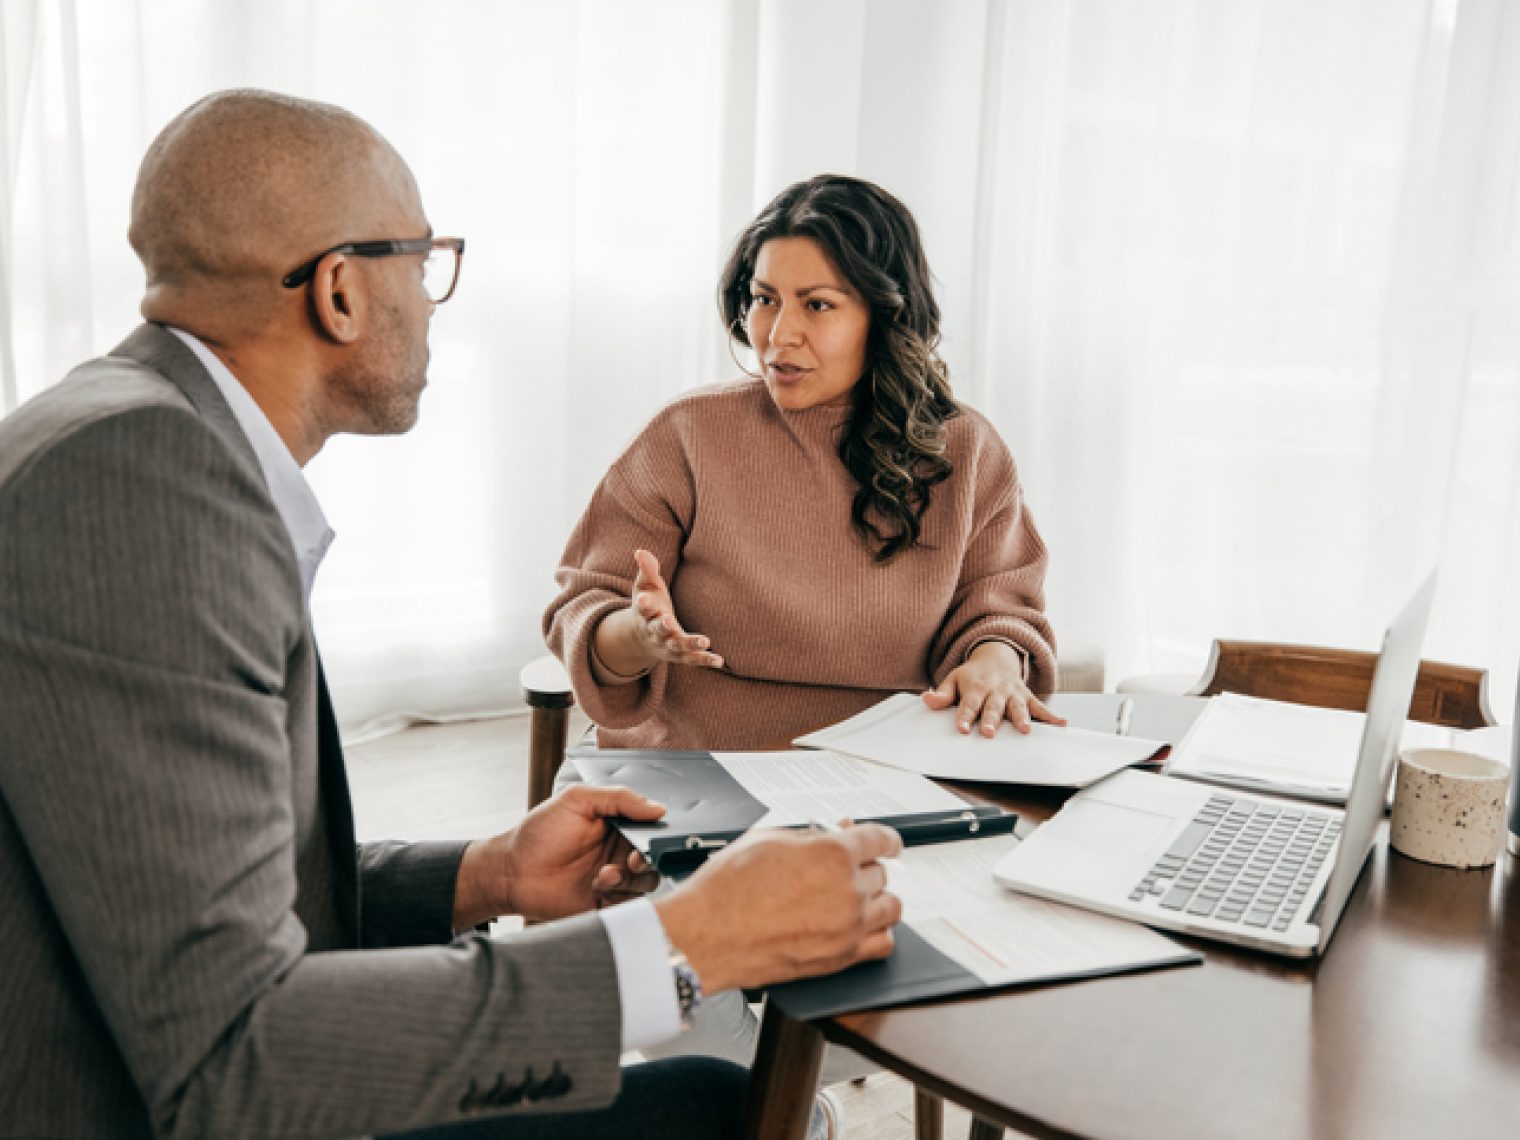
(465, 780)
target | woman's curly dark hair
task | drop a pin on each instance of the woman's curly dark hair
(894, 444)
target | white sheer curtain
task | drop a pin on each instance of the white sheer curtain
(1238, 280)
(1249, 315)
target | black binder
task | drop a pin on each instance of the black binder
(707, 809)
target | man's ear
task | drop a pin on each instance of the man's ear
(338, 298)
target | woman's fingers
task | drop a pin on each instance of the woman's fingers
(658, 627)
(1038, 710)
(1018, 711)
(648, 576)
(698, 657)
(985, 707)
(667, 641)
(992, 712)
(971, 708)
(942, 696)
(984, 698)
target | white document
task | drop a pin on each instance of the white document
(799, 787)
(952, 901)
(1299, 749)
(904, 732)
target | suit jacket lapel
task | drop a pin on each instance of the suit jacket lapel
(155, 347)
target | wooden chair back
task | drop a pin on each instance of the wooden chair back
(1450, 695)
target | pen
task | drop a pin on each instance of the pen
(701, 845)
(827, 828)
(1121, 721)
(980, 820)
(966, 823)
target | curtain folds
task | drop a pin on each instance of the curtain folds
(1239, 281)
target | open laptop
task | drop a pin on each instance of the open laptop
(1253, 870)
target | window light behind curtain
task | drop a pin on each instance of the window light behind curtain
(1239, 281)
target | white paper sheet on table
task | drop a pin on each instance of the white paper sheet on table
(1300, 750)
(951, 899)
(798, 787)
(961, 933)
(905, 733)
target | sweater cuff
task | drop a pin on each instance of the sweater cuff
(1019, 649)
(605, 674)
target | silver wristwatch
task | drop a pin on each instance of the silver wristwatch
(688, 986)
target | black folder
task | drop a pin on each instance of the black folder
(708, 808)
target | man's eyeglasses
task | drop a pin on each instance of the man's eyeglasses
(440, 272)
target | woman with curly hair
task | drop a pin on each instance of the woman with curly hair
(777, 553)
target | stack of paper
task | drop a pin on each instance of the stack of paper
(1299, 750)
(904, 732)
(961, 932)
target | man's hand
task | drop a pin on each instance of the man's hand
(648, 632)
(988, 687)
(779, 905)
(562, 859)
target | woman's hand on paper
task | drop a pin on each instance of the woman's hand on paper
(630, 641)
(780, 904)
(988, 688)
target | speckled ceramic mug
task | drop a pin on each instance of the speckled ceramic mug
(1448, 807)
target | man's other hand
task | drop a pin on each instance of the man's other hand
(562, 859)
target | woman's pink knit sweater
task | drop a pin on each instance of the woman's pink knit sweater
(747, 507)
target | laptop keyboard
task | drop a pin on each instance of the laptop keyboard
(1242, 861)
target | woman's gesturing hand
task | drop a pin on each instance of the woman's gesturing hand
(630, 641)
(988, 687)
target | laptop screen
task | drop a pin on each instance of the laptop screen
(1392, 687)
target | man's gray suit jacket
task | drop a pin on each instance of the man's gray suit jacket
(189, 942)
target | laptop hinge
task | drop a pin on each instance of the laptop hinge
(1319, 905)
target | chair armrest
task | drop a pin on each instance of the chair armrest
(545, 684)
(546, 688)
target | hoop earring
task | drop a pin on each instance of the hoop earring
(733, 338)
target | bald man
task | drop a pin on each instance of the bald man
(192, 944)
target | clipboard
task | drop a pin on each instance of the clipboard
(707, 807)
(678, 856)
(993, 939)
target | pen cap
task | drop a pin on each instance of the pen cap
(1514, 777)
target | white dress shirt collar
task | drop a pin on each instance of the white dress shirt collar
(293, 496)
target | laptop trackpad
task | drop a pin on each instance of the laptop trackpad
(1094, 847)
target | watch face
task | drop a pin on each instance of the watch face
(688, 990)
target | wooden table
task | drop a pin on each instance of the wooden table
(1408, 1027)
